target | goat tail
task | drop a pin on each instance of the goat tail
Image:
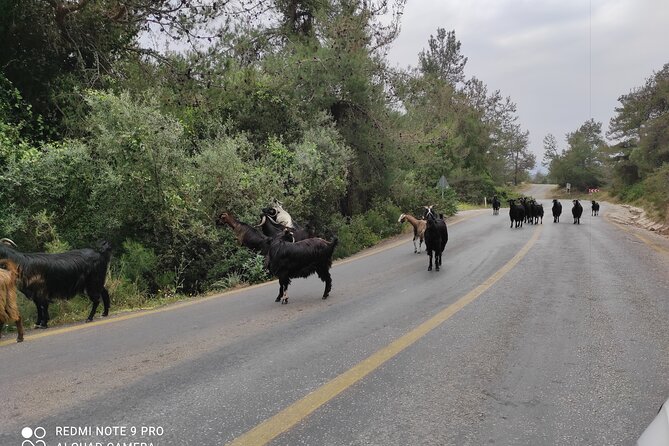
(333, 243)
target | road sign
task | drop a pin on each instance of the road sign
(442, 184)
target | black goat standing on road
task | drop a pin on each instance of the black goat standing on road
(527, 206)
(44, 277)
(537, 212)
(516, 213)
(577, 211)
(557, 211)
(288, 259)
(436, 236)
(495, 205)
(595, 208)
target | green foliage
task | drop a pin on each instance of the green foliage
(581, 163)
(254, 271)
(354, 235)
(657, 188)
(472, 188)
(137, 263)
(443, 59)
(633, 192)
(641, 127)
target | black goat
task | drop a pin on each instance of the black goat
(516, 213)
(289, 259)
(495, 205)
(527, 206)
(44, 277)
(436, 236)
(595, 208)
(577, 211)
(537, 212)
(246, 235)
(557, 211)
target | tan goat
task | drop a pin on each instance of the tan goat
(9, 310)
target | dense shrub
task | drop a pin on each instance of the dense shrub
(657, 188)
(632, 192)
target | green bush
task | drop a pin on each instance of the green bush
(656, 186)
(471, 188)
(632, 192)
(138, 264)
(254, 271)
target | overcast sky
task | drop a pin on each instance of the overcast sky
(539, 52)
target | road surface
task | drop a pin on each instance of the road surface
(552, 334)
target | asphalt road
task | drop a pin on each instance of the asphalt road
(553, 334)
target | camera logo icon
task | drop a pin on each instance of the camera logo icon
(33, 437)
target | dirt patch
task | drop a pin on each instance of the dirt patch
(625, 214)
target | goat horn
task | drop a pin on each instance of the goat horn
(8, 242)
(262, 222)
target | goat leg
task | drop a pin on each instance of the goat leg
(324, 275)
(284, 300)
(45, 315)
(278, 298)
(19, 328)
(40, 317)
(96, 301)
(105, 302)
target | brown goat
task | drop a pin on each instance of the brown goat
(9, 310)
(246, 235)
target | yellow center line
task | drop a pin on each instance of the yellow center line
(31, 336)
(296, 412)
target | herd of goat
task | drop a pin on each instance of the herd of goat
(290, 251)
(527, 210)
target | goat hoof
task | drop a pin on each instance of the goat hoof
(429, 268)
(284, 301)
(43, 326)
(325, 296)
(105, 314)
(89, 320)
(278, 299)
(19, 339)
